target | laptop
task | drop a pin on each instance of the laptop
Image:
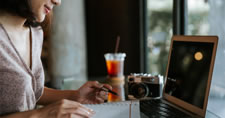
(188, 78)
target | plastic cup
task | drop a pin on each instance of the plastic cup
(115, 64)
(120, 90)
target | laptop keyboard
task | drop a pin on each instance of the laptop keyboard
(158, 109)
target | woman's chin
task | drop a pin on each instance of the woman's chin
(40, 19)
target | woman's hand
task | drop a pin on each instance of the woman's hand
(91, 93)
(65, 109)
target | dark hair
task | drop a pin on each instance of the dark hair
(47, 25)
(21, 8)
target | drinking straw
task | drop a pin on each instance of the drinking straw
(117, 44)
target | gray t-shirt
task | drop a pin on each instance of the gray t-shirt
(20, 85)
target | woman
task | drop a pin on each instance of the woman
(21, 71)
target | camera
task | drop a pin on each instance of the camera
(144, 86)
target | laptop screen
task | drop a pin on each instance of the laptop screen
(188, 71)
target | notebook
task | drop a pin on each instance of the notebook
(188, 75)
(125, 109)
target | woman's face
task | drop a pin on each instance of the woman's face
(41, 8)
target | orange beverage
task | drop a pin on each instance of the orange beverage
(114, 64)
(114, 67)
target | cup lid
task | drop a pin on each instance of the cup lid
(115, 56)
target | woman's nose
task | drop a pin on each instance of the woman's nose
(56, 2)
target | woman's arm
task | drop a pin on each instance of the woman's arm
(89, 93)
(63, 102)
(52, 95)
(61, 109)
(26, 114)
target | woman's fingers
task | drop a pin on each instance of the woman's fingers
(103, 95)
(71, 108)
(99, 100)
(78, 110)
(72, 116)
(91, 92)
(108, 86)
(83, 112)
(93, 84)
(67, 104)
(100, 97)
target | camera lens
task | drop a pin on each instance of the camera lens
(139, 90)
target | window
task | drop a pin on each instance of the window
(159, 17)
(207, 18)
(198, 12)
(204, 17)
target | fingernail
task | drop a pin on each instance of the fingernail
(91, 110)
(94, 112)
(90, 113)
(101, 85)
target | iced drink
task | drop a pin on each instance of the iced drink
(115, 64)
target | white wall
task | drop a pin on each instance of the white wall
(68, 45)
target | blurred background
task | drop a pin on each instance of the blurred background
(82, 31)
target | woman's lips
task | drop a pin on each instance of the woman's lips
(47, 9)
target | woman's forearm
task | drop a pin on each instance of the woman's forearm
(52, 95)
(26, 114)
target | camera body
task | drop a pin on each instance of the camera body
(144, 86)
